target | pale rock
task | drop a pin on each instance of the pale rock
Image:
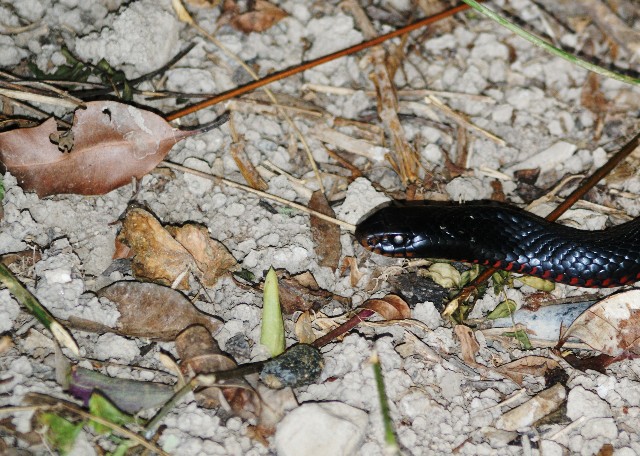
(360, 199)
(548, 159)
(140, 34)
(319, 429)
(582, 402)
(599, 427)
(551, 448)
(114, 347)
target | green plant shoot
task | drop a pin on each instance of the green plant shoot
(272, 332)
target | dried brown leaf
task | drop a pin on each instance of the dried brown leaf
(592, 96)
(611, 326)
(211, 256)
(263, 16)
(536, 366)
(301, 292)
(468, 344)
(391, 307)
(303, 329)
(354, 271)
(157, 256)
(166, 255)
(150, 310)
(326, 235)
(112, 143)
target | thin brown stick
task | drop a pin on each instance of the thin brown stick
(314, 63)
(586, 185)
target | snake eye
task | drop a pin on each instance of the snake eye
(398, 239)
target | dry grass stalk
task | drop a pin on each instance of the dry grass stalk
(405, 159)
(462, 120)
(345, 142)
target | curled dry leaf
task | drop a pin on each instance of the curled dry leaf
(326, 235)
(391, 307)
(201, 354)
(536, 366)
(163, 258)
(611, 326)
(211, 256)
(301, 292)
(149, 310)
(468, 344)
(354, 271)
(112, 143)
(263, 16)
(304, 329)
(157, 256)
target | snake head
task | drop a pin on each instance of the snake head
(384, 233)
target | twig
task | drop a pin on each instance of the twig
(314, 63)
(29, 96)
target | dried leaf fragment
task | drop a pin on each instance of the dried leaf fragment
(391, 307)
(211, 256)
(326, 235)
(536, 366)
(154, 311)
(168, 255)
(263, 16)
(535, 408)
(469, 345)
(611, 326)
(112, 143)
(157, 256)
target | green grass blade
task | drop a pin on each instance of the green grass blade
(536, 40)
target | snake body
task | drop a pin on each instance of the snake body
(506, 238)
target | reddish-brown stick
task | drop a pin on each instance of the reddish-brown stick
(313, 63)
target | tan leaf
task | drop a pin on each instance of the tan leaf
(536, 366)
(148, 310)
(263, 16)
(326, 235)
(468, 343)
(391, 307)
(112, 143)
(211, 256)
(157, 256)
(611, 326)
(303, 329)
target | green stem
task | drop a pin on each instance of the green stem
(25, 298)
(389, 433)
(536, 40)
